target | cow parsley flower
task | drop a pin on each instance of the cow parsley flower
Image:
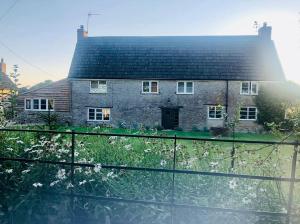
(61, 174)
(10, 149)
(69, 185)
(8, 170)
(163, 162)
(25, 171)
(82, 182)
(232, 184)
(128, 147)
(20, 142)
(37, 185)
(213, 164)
(147, 150)
(97, 168)
(246, 200)
(205, 154)
(53, 183)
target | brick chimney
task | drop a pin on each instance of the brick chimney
(81, 33)
(265, 32)
(2, 68)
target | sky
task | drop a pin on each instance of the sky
(40, 36)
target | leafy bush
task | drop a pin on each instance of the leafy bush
(219, 131)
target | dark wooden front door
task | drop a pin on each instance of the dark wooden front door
(170, 118)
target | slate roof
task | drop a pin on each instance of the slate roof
(176, 58)
(5, 82)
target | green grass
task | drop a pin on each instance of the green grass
(197, 134)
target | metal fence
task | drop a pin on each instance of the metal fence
(172, 203)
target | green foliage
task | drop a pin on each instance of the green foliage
(23, 182)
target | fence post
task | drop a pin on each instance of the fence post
(233, 149)
(173, 179)
(72, 174)
(292, 183)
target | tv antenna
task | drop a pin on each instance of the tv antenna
(90, 14)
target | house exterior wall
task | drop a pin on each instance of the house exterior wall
(59, 92)
(132, 107)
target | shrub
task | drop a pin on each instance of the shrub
(219, 131)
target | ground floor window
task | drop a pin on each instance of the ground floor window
(39, 104)
(248, 113)
(98, 114)
(215, 112)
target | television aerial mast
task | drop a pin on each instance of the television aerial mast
(90, 14)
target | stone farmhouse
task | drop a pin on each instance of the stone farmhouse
(173, 82)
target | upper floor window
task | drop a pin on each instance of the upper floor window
(185, 87)
(248, 113)
(98, 86)
(98, 114)
(39, 104)
(150, 87)
(215, 112)
(249, 88)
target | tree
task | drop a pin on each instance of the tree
(273, 101)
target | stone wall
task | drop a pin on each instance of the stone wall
(129, 105)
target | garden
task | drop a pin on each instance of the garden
(46, 192)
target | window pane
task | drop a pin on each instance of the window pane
(252, 113)
(99, 116)
(254, 88)
(154, 88)
(28, 104)
(189, 87)
(180, 87)
(106, 114)
(211, 112)
(102, 87)
(245, 87)
(91, 114)
(146, 88)
(218, 113)
(94, 84)
(243, 113)
(43, 104)
(36, 104)
(50, 104)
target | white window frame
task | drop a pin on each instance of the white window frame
(250, 90)
(95, 108)
(247, 119)
(150, 87)
(98, 90)
(215, 118)
(39, 99)
(185, 87)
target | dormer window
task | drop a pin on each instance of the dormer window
(98, 86)
(249, 88)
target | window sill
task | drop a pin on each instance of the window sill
(185, 93)
(248, 119)
(97, 93)
(144, 93)
(209, 118)
(98, 120)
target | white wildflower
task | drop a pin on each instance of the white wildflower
(61, 174)
(91, 180)
(37, 185)
(246, 200)
(82, 182)
(163, 162)
(205, 154)
(26, 150)
(123, 139)
(147, 150)
(76, 154)
(53, 183)
(113, 137)
(213, 164)
(8, 170)
(253, 195)
(70, 185)
(232, 184)
(97, 168)
(20, 142)
(10, 149)
(128, 147)
(25, 171)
